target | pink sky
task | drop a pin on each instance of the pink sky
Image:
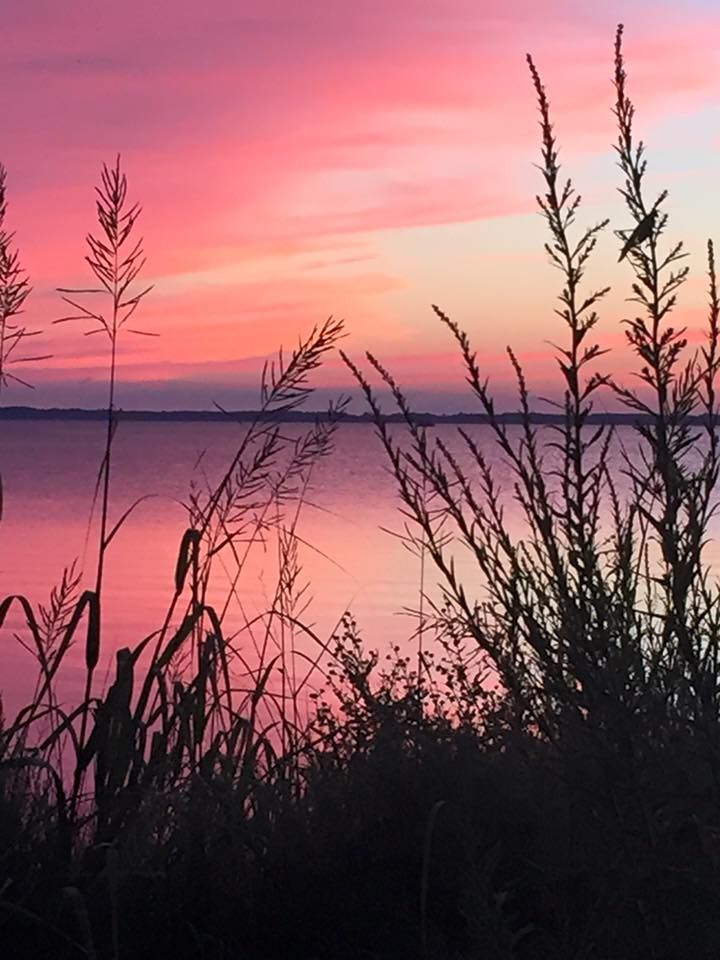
(297, 160)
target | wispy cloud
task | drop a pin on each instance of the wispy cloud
(274, 144)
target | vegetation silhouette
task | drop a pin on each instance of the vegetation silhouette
(542, 780)
(14, 291)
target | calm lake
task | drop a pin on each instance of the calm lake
(49, 470)
(349, 559)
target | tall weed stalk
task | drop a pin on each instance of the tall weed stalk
(116, 258)
(601, 619)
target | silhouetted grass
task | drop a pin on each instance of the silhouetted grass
(539, 777)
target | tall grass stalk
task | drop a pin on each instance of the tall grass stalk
(116, 259)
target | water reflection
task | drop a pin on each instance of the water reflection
(347, 558)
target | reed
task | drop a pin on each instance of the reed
(84, 776)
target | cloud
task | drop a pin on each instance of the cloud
(266, 137)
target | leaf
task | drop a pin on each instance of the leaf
(187, 554)
(27, 610)
(88, 599)
(183, 632)
(92, 641)
(133, 506)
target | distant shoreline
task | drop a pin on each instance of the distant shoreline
(245, 416)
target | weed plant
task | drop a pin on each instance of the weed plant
(14, 291)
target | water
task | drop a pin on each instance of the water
(49, 471)
(349, 559)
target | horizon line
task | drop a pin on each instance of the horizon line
(425, 418)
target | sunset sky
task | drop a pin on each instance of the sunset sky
(301, 158)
